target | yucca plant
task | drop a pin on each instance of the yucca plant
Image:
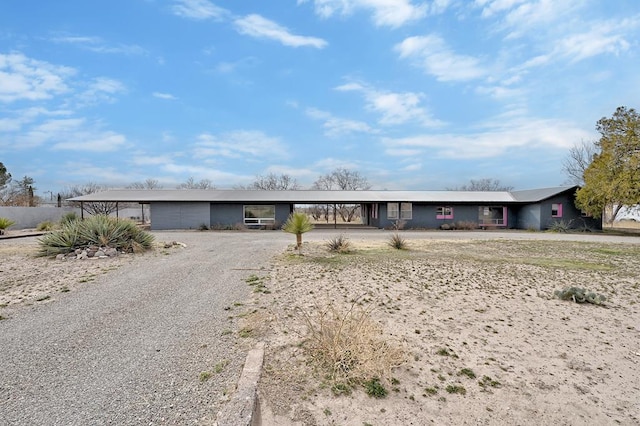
(97, 230)
(68, 217)
(298, 223)
(5, 223)
(397, 242)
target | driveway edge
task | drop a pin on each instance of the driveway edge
(243, 408)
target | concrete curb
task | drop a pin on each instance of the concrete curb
(243, 408)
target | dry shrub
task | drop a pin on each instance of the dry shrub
(465, 225)
(349, 347)
(339, 244)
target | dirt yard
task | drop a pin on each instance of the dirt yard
(484, 339)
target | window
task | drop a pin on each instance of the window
(259, 214)
(444, 212)
(392, 210)
(406, 211)
(556, 210)
(492, 216)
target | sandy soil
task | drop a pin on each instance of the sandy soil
(476, 317)
(25, 279)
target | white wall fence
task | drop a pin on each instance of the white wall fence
(30, 217)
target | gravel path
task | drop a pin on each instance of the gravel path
(129, 348)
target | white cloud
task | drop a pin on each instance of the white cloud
(151, 160)
(166, 96)
(390, 13)
(259, 27)
(199, 10)
(100, 89)
(602, 38)
(494, 139)
(22, 78)
(335, 126)
(98, 45)
(74, 134)
(239, 144)
(105, 141)
(395, 108)
(433, 55)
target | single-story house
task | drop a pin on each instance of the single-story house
(191, 209)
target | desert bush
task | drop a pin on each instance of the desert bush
(98, 230)
(398, 242)
(560, 226)
(5, 223)
(446, 227)
(68, 217)
(349, 347)
(47, 225)
(579, 295)
(339, 244)
(465, 225)
(203, 227)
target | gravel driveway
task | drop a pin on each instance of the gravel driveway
(128, 349)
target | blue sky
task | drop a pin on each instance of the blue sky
(412, 94)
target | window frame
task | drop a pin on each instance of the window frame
(556, 210)
(406, 211)
(396, 209)
(444, 212)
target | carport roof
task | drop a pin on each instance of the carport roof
(313, 197)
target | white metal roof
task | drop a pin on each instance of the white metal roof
(312, 197)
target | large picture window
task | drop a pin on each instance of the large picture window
(492, 216)
(444, 212)
(259, 214)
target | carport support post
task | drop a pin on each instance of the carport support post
(117, 212)
(142, 212)
(82, 210)
(335, 220)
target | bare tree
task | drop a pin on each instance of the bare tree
(93, 207)
(485, 184)
(192, 184)
(18, 192)
(344, 180)
(273, 182)
(147, 184)
(577, 161)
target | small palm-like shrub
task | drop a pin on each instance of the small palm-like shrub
(339, 244)
(298, 223)
(5, 223)
(98, 230)
(397, 242)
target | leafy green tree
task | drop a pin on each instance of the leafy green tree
(612, 180)
(298, 223)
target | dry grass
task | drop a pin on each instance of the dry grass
(349, 346)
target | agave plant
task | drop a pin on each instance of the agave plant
(97, 230)
(4, 224)
(298, 223)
